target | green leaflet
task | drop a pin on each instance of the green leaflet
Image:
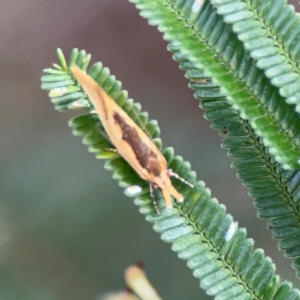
(199, 229)
(270, 31)
(275, 190)
(212, 45)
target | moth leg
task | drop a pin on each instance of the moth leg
(108, 153)
(112, 150)
(101, 131)
(172, 174)
(152, 187)
(105, 136)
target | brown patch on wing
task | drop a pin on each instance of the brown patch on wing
(145, 156)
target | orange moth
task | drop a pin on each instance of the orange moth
(131, 141)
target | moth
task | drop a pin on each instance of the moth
(131, 142)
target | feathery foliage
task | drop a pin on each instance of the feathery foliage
(239, 57)
(270, 31)
(212, 45)
(275, 190)
(199, 229)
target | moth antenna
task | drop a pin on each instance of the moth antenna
(153, 198)
(172, 174)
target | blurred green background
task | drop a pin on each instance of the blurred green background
(66, 229)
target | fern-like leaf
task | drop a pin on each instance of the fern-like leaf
(212, 45)
(270, 31)
(275, 190)
(199, 229)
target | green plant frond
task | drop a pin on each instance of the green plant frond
(212, 45)
(270, 31)
(67, 95)
(218, 252)
(275, 190)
